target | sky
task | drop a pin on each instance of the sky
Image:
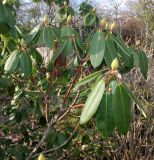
(108, 4)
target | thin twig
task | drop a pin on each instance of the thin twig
(75, 99)
(45, 135)
(60, 146)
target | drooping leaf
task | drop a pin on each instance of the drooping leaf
(97, 49)
(58, 51)
(4, 82)
(84, 8)
(67, 31)
(26, 64)
(89, 19)
(40, 40)
(136, 101)
(122, 49)
(32, 35)
(104, 117)
(49, 37)
(68, 48)
(36, 56)
(12, 62)
(136, 59)
(110, 51)
(92, 102)
(113, 84)
(87, 80)
(121, 107)
(7, 21)
(57, 32)
(143, 64)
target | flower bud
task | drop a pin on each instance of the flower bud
(65, 3)
(138, 42)
(115, 64)
(102, 22)
(107, 25)
(41, 157)
(69, 19)
(113, 26)
(94, 10)
(46, 19)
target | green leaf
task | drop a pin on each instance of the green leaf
(68, 48)
(32, 35)
(86, 80)
(122, 49)
(121, 107)
(26, 64)
(97, 49)
(135, 59)
(49, 37)
(12, 62)
(40, 37)
(104, 117)
(67, 31)
(110, 51)
(61, 138)
(4, 82)
(143, 64)
(136, 101)
(113, 84)
(57, 32)
(92, 102)
(36, 56)
(89, 19)
(58, 51)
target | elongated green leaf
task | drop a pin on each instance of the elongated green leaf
(136, 101)
(97, 49)
(143, 64)
(113, 84)
(78, 40)
(32, 35)
(92, 102)
(67, 31)
(110, 51)
(40, 37)
(89, 19)
(57, 32)
(104, 117)
(136, 59)
(36, 56)
(49, 37)
(123, 50)
(121, 108)
(12, 62)
(26, 64)
(86, 80)
(68, 48)
(58, 51)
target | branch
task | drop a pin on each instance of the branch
(45, 135)
(50, 125)
(60, 146)
(71, 86)
(71, 106)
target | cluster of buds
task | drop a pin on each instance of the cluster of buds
(105, 24)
